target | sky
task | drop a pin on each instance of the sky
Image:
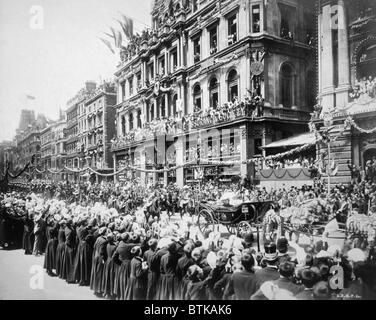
(49, 48)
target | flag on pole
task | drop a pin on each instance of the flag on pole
(108, 44)
(127, 26)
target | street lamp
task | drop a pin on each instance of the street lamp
(328, 122)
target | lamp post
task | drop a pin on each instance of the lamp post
(328, 122)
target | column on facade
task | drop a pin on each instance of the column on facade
(343, 57)
(266, 139)
(223, 86)
(114, 165)
(180, 51)
(222, 34)
(143, 73)
(327, 78)
(167, 63)
(155, 106)
(205, 94)
(246, 152)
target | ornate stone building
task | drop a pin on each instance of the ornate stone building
(53, 151)
(214, 80)
(347, 81)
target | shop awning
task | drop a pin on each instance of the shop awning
(298, 140)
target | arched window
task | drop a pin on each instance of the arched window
(287, 86)
(213, 92)
(197, 96)
(232, 82)
(131, 121)
(122, 125)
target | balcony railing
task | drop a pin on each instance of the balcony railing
(225, 114)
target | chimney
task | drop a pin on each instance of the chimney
(90, 85)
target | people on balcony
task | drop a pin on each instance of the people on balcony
(364, 87)
(199, 118)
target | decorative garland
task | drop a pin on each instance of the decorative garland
(14, 176)
(351, 122)
(265, 176)
(283, 175)
(55, 172)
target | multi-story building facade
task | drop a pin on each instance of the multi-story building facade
(73, 131)
(100, 127)
(347, 81)
(47, 149)
(204, 57)
(53, 150)
(90, 127)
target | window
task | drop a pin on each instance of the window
(122, 85)
(131, 121)
(196, 50)
(213, 40)
(139, 122)
(257, 146)
(256, 18)
(366, 64)
(163, 107)
(288, 18)
(197, 97)
(161, 66)
(287, 86)
(174, 105)
(147, 111)
(151, 71)
(174, 59)
(213, 92)
(232, 30)
(194, 5)
(130, 81)
(233, 85)
(139, 85)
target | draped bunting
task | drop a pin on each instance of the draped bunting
(14, 176)
(351, 122)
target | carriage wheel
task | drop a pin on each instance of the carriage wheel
(205, 221)
(231, 229)
(243, 228)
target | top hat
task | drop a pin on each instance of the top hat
(270, 251)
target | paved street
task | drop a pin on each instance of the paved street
(16, 272)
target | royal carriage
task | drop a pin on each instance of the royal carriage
(239, 217)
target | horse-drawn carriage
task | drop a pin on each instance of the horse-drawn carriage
(239, 218)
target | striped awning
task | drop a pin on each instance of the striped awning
(298, 140)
